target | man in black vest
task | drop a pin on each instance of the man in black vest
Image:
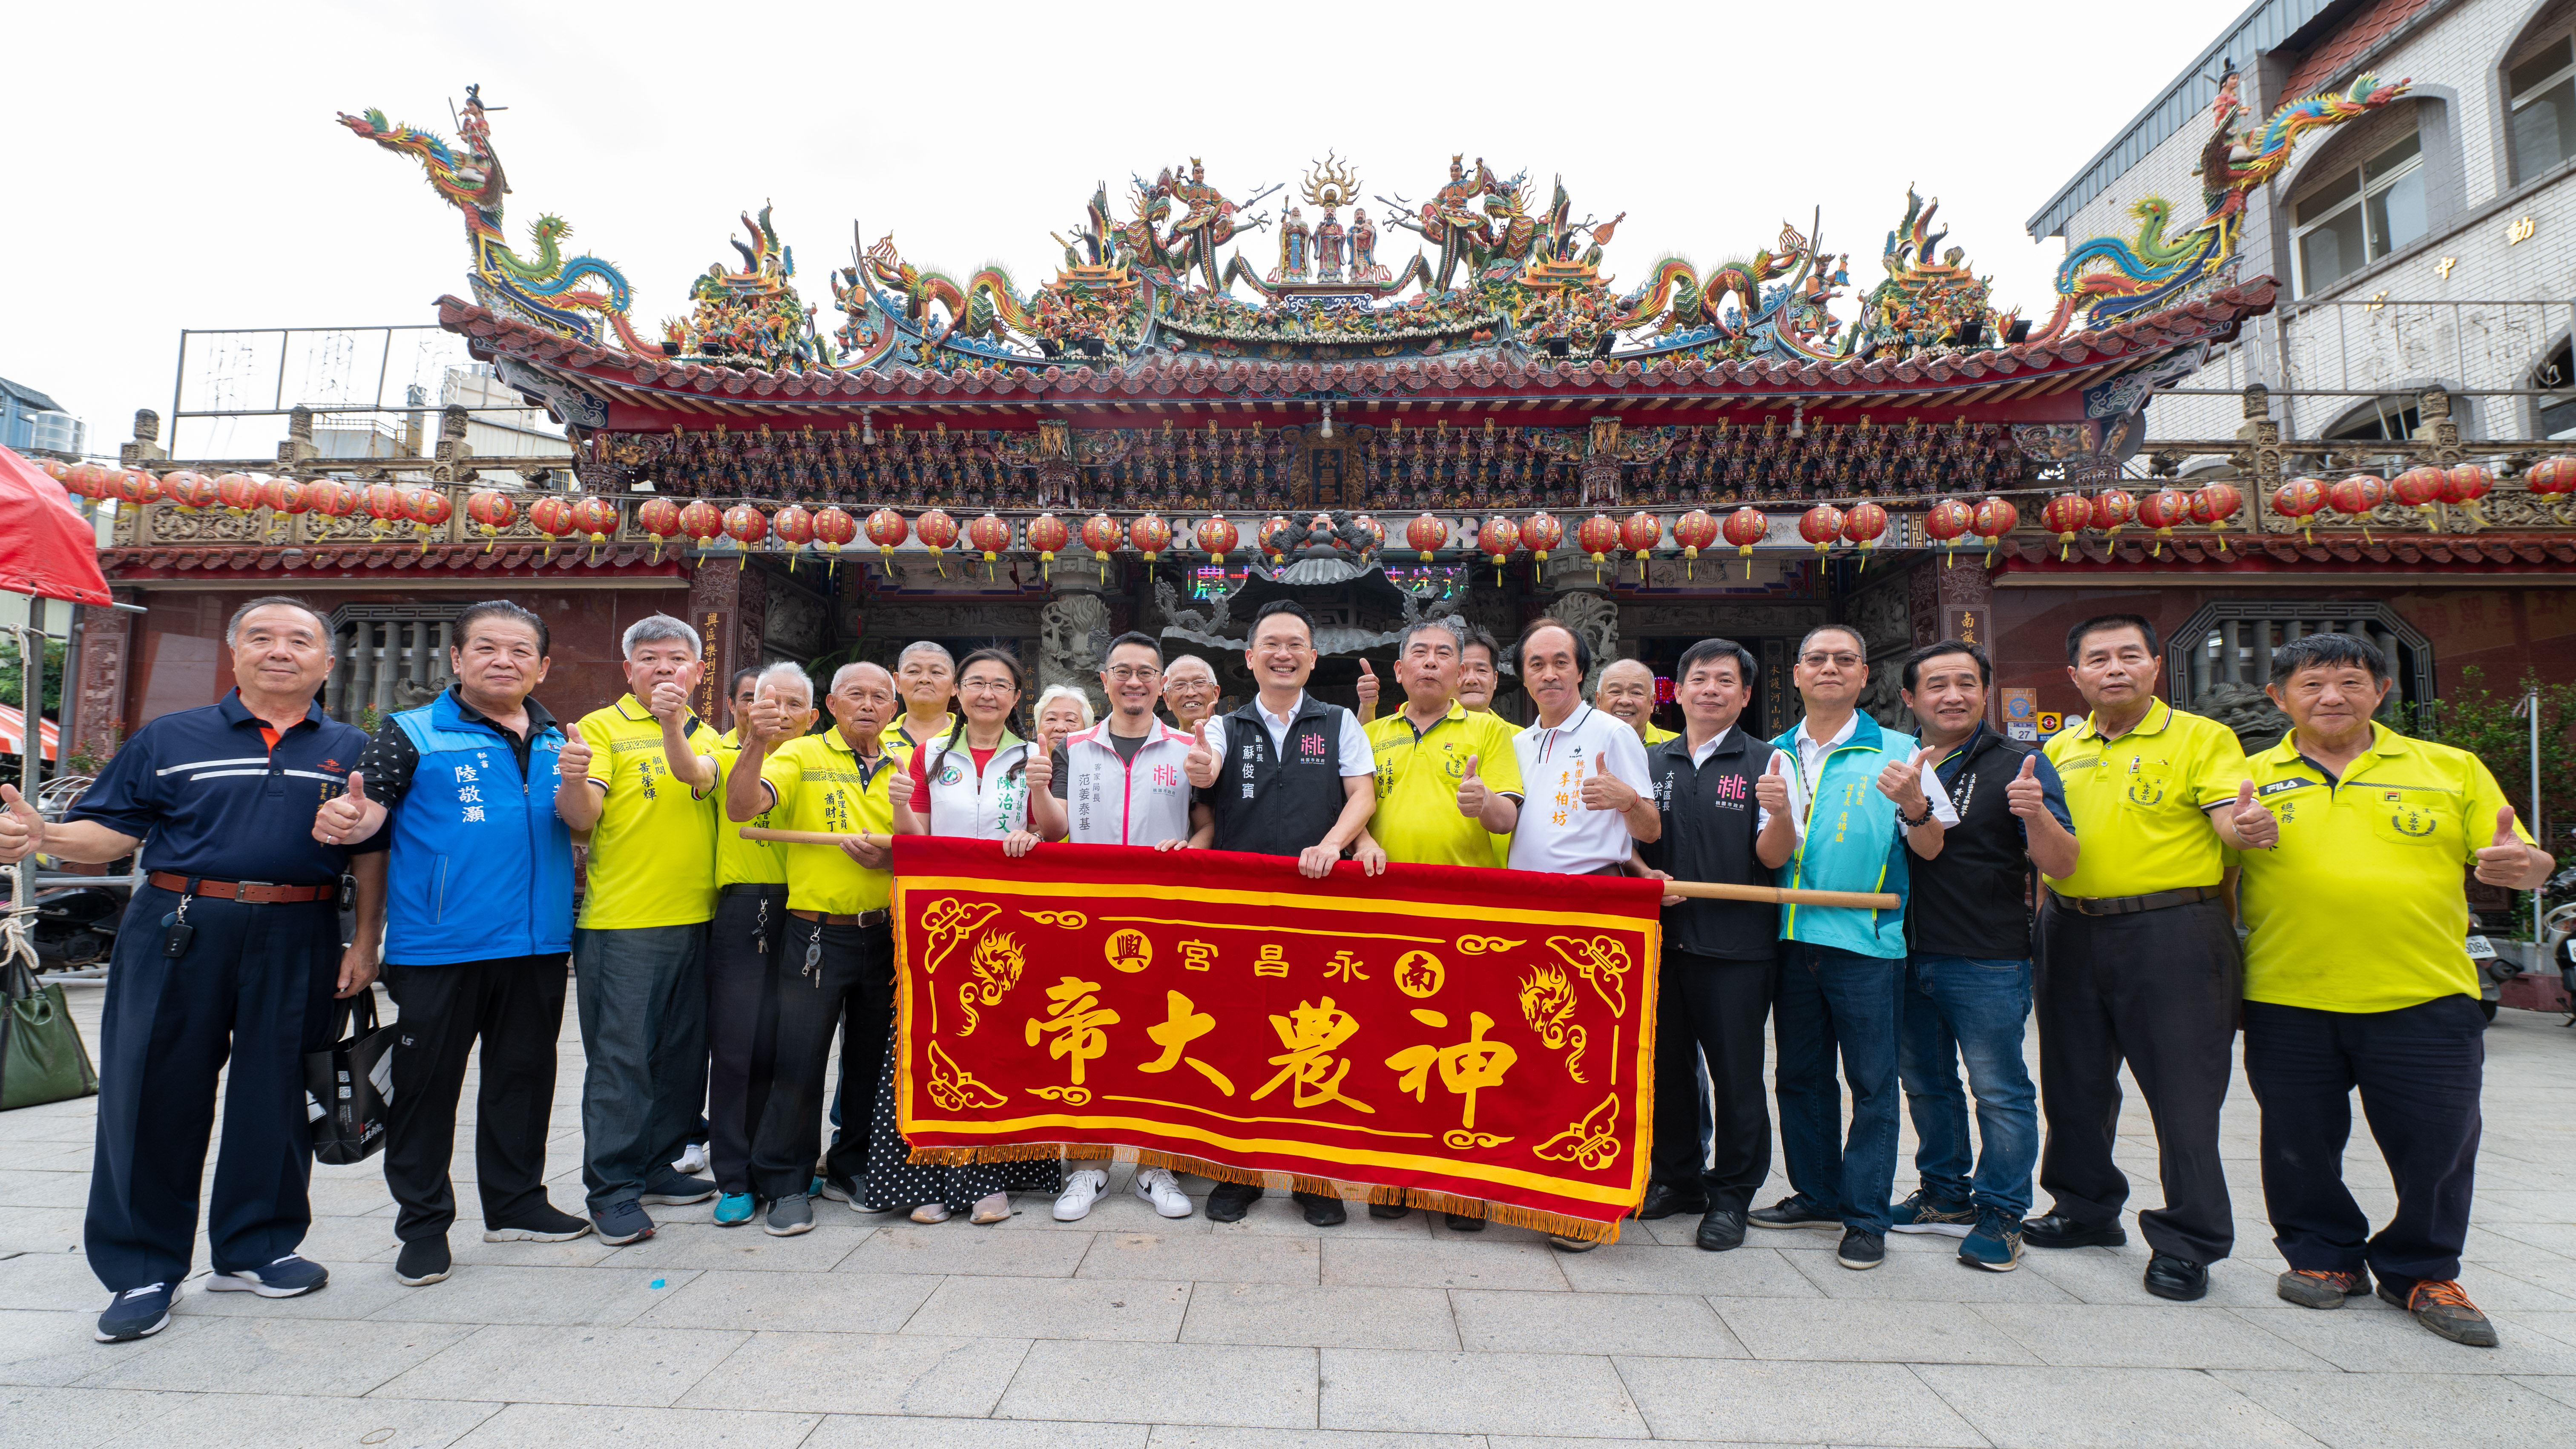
(1719, 956)
(1967, 972)
(1285, 775)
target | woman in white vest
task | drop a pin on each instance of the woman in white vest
(1125, 781)
(982, 782)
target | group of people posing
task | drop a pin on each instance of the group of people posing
(712, 974)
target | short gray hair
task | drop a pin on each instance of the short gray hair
(232, 626)
(1451, 624)
(654, 629)
(925, 646)
(1858, 643)
(1639, 663)
(790, 677)
(1183, 661)
(1055, 692)
(846, 670)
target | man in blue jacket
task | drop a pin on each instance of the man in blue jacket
(477, 928)
(1857, 798)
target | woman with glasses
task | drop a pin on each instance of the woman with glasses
(982, 782)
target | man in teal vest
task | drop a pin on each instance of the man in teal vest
(1852, 798)
(476, 931)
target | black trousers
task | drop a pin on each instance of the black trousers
(515, 1006)
(742, 1023)
(2419, 1069)
(824, 973)
(2158, 990)
(1707, 1006)
(253, 992)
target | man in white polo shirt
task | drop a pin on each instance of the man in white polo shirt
(1125, 781)
(1587, 792)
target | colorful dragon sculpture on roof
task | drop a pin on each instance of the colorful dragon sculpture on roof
(2107, 278)
(568, 295)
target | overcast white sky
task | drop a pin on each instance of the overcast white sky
(178, 165)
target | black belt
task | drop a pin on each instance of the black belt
(877, 917)
(751, 888)
(2131, 905)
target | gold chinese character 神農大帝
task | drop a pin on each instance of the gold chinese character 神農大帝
(1466, 1067)
(1076, 1024)
(1183, 1024)
(1311, 1035)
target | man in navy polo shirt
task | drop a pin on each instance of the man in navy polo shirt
(231, 950)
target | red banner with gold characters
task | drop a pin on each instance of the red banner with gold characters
(1476, 1041)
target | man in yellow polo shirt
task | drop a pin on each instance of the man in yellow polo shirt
(2137, 959)
(742, 950)
(1626, 693)
(838, 961)
(639, 971)
(925, 680)
(1427, 755)
(2356, 976)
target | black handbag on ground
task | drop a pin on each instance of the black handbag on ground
(349, 1086)
(42, 1056)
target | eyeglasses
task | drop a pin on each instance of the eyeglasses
(1283, 646)
(1839, 661)
(1192, 685)
(1130, 673)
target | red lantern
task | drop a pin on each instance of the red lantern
(1497, 540)
(2214, 504)
(887, 529)
(56, 469)
(2162, 510)
(237, 492)
(2358, 496)
(89, 480)
(1426, 533)
(701, 521)
(2421, 488)
(493, 510)
(2552, 478)
(989, 535)
(1694, 531)
(746, 526)
(2301, 499)
(1219, 537)
(428, 507)
(1822, 526)
(282, 495)
(330, 498)
(1598, 536)
(937, 531)
(596, 517)
(189, 489)
(2113, 508)
(383, 505)
(552, 517)
(1376, 530)
(1151, 535)
(1639, 532)
(833, 527)
(2465, 485)
(1542, 532)
(1270, 531)
(1102, 535)
(1048, 535)
(2066, 515)
(137, 485)
(795, 528)
(1944, 522)
(1863, 523)
(1744, 528)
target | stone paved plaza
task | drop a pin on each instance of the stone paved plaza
(1128, 1330)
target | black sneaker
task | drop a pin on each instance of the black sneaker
(789, 1216)
(677, 1191)
(136, 1313)
(1462, 1223)
(1996, 1244)
(1923, 1213)
(287, 1277)
(1861, 1251)
(843, 1190)
(2057, 1230)
(1797, 1210)
(1387, 1212)
(622, 1222)
(424, 1261)
(541, 1224)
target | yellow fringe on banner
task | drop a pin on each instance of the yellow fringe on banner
(1427, 1199)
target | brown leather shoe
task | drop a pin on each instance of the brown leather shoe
(2439, 1305)
(2320, 1288)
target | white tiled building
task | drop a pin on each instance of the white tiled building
(2432, 242)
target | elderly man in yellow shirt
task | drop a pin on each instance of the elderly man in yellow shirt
(742, 951)
(1627, 693)
(2356, 975)
(639, 967)
(2138, 961)
(838, 961)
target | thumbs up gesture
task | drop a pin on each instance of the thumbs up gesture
(1771, 792)
(2025, 795)
(2507, 862)
(350, 818)
(1368, 685)
(1201, 764)
(1041, 767)
(899, 789)
(21, 828)
(670, 700)
(1902, 782)
(572, 762)
(2255, 827)
(1472, 793)
(1605, 791)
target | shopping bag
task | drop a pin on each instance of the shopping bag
(42, 1057)
(348, 1088)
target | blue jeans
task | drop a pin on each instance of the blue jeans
(1959, 1008)
(1835, 1001)
(642, 995)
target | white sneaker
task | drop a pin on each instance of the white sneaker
(1080, 1191)
(692, 1163)
(1158, 1186)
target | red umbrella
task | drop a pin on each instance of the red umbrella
(46, 549)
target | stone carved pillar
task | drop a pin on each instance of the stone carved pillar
(107, 644)
(2259, 462)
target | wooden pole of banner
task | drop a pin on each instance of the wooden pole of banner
(1783, 895)
(1702, 890)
